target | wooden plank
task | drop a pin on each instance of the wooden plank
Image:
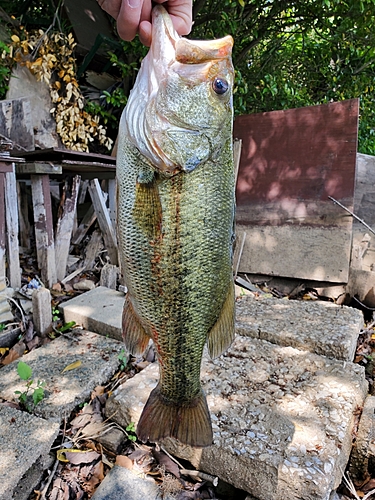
(43, 225)
(65, 224)
(6, 166)
(112, 202)
(88, 220)
(23, 215)
(11, 215)
(94, 246)
(291, 161)
(38, 168)
(2, 226)
(104, 220)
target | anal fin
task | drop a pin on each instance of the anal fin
(189, 423)
(133, 333)
(221, 335)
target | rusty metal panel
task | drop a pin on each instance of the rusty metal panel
(291, 162)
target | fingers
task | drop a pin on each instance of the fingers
(112, 7)
(181, 14)
(129, 18)
(134, 16)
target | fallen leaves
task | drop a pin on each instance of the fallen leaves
(50, 57)
(72, 366)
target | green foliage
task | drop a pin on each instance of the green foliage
(35, 389)
(130, 429)
(289, 54)
(123, 358)
(2, 327)
(56, 315)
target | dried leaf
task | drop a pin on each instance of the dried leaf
(169, 464)
(124, 461)
(98, 391)
(72, 366)
(15, 353)
(77, 457)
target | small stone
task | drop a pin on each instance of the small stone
(42, 311)
(112, 440)
(84, 285)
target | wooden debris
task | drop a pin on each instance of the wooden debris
(45, 245)
(65, 225)
(93, 248)
(104, 220)
(11, 212)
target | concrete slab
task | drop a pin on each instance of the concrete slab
(127, 485)
(315, 326)
(320, 327)
(282, 418)
(98, 357)
(25, 441)
(99, 310)
(362, 459)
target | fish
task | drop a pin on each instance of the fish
(175, 221)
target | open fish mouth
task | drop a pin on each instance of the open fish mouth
(153, 124)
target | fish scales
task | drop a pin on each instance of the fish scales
(175, 226)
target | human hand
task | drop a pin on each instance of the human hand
(134, 16)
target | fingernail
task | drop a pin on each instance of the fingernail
(134, 4)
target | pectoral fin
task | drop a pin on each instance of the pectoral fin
(222, 333)
(133, 333)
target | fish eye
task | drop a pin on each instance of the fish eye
(220, 85)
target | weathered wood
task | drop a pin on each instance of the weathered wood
(112, 203)
(65, 224)
(11, 215)
(45, 246)
(291, 161)
(23, 215)
(2, 226)
(38, 167)
(364, 208)
(104, 221)
(16, 122)
(94, 246)
(83, 191)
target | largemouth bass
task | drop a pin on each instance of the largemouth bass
(175, 222)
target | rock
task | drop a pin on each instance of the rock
(113, 440)
(127, 485)
(42, 311)
(99, 310)
(363, 452)
(282, 418)
(315, 326)
(8, 338)
(64, 390)
(84, 285)
(25, 441)
(43, 126)
(108, 276)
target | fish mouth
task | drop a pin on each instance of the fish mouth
(150, 126)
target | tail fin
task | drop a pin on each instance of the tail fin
(189, 424)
